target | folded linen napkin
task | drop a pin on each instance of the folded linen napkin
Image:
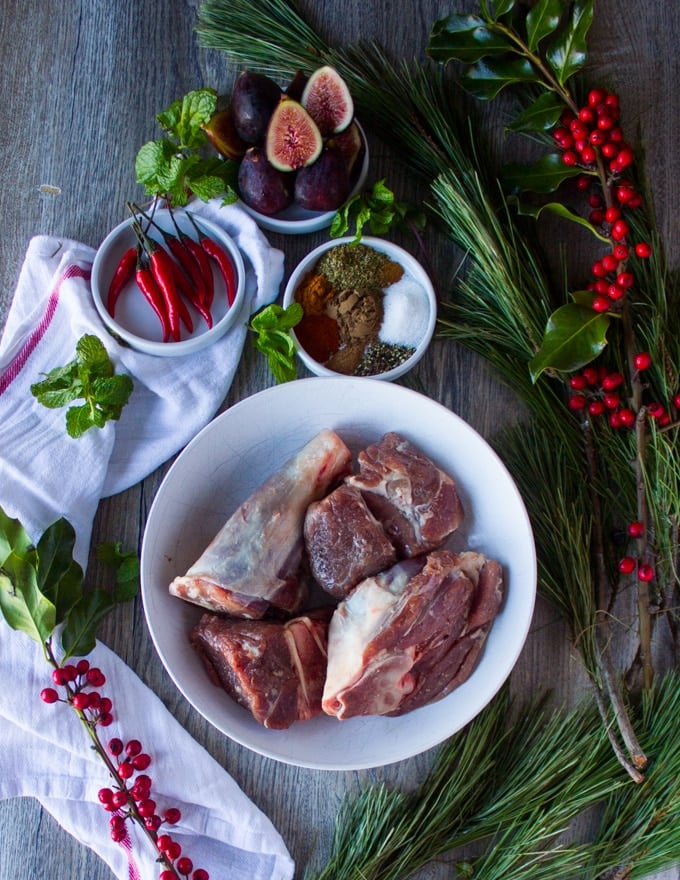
(44, 474)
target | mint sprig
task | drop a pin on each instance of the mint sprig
(273, 325)
(173, 166)
(91, 377)
(377, 210)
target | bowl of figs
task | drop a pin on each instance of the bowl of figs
(302, 154)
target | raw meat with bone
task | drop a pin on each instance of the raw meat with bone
(276, 670)
(408, 636)
(253, 562)
(416, 502)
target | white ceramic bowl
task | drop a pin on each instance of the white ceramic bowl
(412, 268)
(135, 322)
(295, 220)
(241, 448)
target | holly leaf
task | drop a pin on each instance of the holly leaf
(60, 577)
(543, 19)
(543, 176)
(574, 336)
(568, 52)
(486, 79)
(542, 115)
(466, 38)
(78, 636)
(560, 210)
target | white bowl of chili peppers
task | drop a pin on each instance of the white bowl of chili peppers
(168, 283)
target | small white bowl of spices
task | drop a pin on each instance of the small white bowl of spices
(369, 309)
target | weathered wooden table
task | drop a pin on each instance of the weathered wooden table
(81, 84)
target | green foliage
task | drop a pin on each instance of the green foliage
(174, 166)
(42, 586)
(574, 336)
(272, 326)
(376, 210)
(90, 377)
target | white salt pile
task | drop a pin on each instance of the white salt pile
(406, 313)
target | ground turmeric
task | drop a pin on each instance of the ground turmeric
(313, 293)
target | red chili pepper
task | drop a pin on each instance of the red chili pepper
(186, 290)
(191, 268)
(162, 269)
(225, 263)
(206, 270)
(153, 295)
(125, 272)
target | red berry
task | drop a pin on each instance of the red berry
(619, 230)
(596, 217)
(655, 410)
(643, 249)
(636, 529)
(592, 375)
(105, 795)
(635, 201)
(49, 695)
(163, 841)
(134, 747)
(627, 565)
(582, 182)
(184, 865)
(611, 215)
(82, 666)
(167, 875)
(588, 155)
(153, 823)
(95, 677)
(125, 770)
(173, 850)
(616, 134)
(118, 834)
(609, 262)
(596, 96)
(625, 279)
(115, 746)
(642, 361)
(609, 150)
(200, 874)
(105, 719)
(569, 157)
(576, 402)
(141, 762)
(625, 193)
(58, 677)
(578, 382)
(95, 700)
(605, 121)
(615, 420)
(645, 573)
(600, 304)
(627, 417)
(81, 701)
(105, 704)
(172, 816)
(611, 401)
(612, 381)
(625, 158)
(621, 252)
(615, 292)
(117, 822)
(597, 137)
(146, 808)
(119, 799)
(596, 408)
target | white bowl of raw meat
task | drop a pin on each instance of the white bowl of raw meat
(406, 650)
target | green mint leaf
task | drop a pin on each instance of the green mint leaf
(184, 119)
(153, 162)
(92, 354)
(113, 391)
(272, 326)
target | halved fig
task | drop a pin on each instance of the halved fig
(253, 101)
(222, 134)
(328, 101)
(324, 185)
(261, 186)
(293, 138)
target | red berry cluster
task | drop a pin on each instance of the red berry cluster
(592, 138)
(629, 564)
(76, 679)
(130, 797)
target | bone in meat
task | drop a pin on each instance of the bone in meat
(253, 562)
(408, 636)
(416, 502)
(276, 670)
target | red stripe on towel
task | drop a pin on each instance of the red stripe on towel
(33, 339)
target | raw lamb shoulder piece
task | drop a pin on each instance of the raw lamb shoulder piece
(416, 502)
(345, 543)
(276, 670)
(253, 562)
(410, 635)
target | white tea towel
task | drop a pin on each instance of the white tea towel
(45, 474)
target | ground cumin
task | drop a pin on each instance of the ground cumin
(313, 293)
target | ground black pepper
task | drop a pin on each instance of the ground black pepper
(379, 357)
